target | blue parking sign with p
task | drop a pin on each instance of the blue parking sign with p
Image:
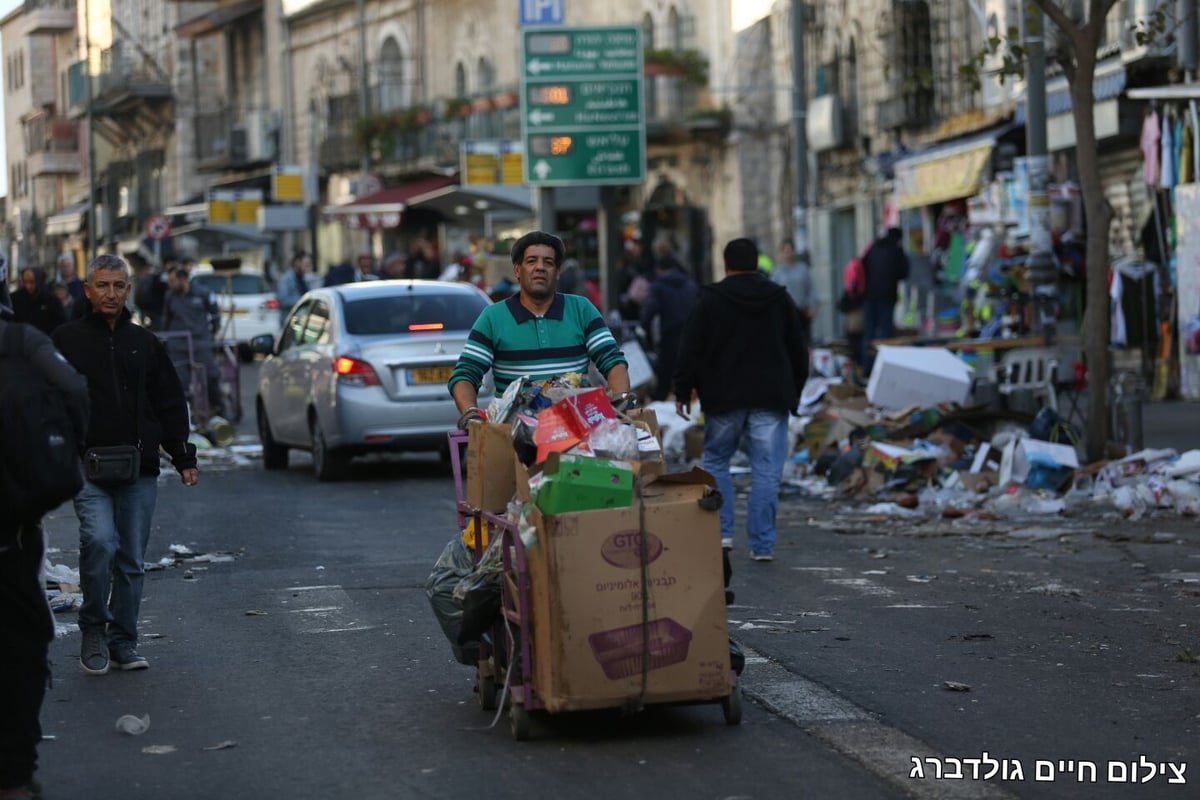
(541, 12)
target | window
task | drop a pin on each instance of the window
(460, 80)
(293, 332)
(850, 92)
(413, 313)
(240, 283)
(316, 325)
(391, 76)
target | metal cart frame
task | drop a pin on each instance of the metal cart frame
(493, 672)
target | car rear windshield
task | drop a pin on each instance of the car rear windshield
(238, 284)
(413, 313)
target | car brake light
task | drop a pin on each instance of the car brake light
(270, 305)
(427, 326)
(355, 372)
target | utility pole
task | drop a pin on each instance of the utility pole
(799, 130)
(364, 106)
(93, 228)
(1041, 268)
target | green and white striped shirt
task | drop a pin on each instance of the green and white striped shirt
(508, 339)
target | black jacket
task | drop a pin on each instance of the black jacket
(743, 347)
(113, 361)
(672, 297)
(40, 309)
(884, 265)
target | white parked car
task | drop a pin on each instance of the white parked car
(247, 302)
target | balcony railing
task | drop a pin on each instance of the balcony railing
(911, 108)
(225, 138)
(125, 75)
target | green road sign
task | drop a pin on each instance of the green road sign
(582, 118)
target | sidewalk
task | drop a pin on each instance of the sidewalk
(1174, 424)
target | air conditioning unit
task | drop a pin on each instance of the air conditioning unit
(253, 140)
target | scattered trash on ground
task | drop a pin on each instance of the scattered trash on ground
(134, 726)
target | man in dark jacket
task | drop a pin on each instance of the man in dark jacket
(34, 303)
(745, 357)
(26, 624)
(191, 309)
(136, 399)
(885, 265)
(672, 297)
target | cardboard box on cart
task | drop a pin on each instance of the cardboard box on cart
(586, 601)
(490, 479)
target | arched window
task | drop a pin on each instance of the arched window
(485, 77)
(391, 76)
(649, 87)
(460, 80)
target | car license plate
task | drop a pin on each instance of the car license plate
(429, 374)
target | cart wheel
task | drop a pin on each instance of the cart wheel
(485, 687)
(519, 721)
(731, 705)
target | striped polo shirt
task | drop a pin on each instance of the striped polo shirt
(511, 341)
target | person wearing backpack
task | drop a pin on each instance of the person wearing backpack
(43, 416)
(137, 404)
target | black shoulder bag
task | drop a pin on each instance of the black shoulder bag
(121, 464)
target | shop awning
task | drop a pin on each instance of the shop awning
(1173, 91)
(382, 209)
(67, 222)
(944, 172)
(471, 204)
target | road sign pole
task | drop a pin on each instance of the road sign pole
(546, 211)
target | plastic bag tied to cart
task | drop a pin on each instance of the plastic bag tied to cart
(478, 594)
(454, 564)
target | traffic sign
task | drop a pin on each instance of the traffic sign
(542, 12)
(582, 115)
(158, 227)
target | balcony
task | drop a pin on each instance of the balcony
(909, 109)
(52, 145)
(49, 16)
(226, 140)
(128, 83)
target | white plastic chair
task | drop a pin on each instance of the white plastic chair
(1029, 369)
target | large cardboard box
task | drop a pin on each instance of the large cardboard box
(490, 479)
(578, 483)
(917, 376)
(587, 602)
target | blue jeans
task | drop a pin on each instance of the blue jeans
(767, 437)
(114, 527)
(878, 323)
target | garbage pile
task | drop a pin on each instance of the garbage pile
(911, 445)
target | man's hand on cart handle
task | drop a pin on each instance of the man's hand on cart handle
(623, 401)
(472, 414)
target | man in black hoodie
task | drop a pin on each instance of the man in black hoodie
(884, 266)
(745, 357)
(136, 399)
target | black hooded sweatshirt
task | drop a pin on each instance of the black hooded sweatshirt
(113, 361)
(743, 347)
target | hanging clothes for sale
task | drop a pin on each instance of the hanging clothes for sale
(1151, 135)
(1134, 292)
(1186, 170)
(1166, 168)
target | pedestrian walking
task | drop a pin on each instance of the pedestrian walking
(670, 300)
(884, 266)
(745, 357)
(792, 273)
(137, 404)
(35, 304)
(193, 310)
(26, 623)
(76, 305)
(293, 284)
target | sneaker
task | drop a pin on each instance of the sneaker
(727, 544)
(93, 653)
(762, 556)
(126, 657)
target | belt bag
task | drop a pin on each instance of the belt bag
(114, 466)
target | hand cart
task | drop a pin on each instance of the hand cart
(505, 665)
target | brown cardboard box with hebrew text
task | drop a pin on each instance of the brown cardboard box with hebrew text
(587, 602)
(490, 479)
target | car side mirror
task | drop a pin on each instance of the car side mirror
(263, 344)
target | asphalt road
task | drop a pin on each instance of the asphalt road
(1050, 645)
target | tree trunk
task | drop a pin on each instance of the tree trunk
(1098, 217)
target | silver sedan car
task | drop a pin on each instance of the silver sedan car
(362, 367)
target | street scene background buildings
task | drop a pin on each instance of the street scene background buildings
(255, 126)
